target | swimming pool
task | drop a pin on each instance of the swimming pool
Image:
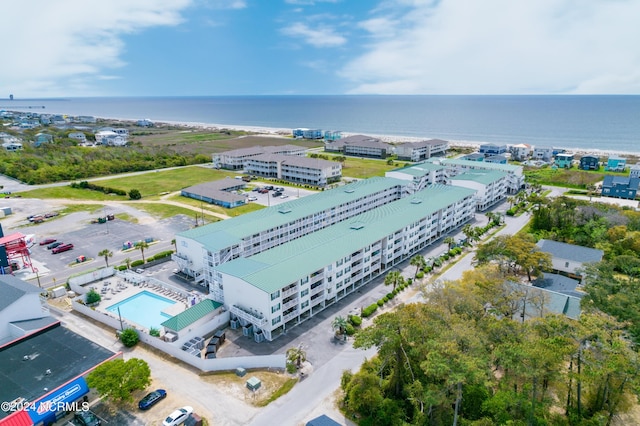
(144, 308)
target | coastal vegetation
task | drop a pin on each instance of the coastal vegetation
(465, 356)
(566, 178)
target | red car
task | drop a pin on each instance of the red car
(47, 241)
(60, 249)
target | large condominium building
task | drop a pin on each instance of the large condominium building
(361, 146)
(515, 176)
(420, 176)
(272, 291)
(236, 159)
(199, 250)
(418, 151)
(308, 171)
(490, 186)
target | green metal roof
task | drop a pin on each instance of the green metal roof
(419, 169)
(191, 315)
(482, 164)
(219, 235)
(481, 176)
(289, 262)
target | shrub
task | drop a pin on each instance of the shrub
(154, 332)
(349, 330)
(134, 194)
(452, 252)
(93, 297)
(137, 263)
(446, 256)
(129, 337)
(121, 268)
(394, 292)
(355, 320)
(427, 269)
(380, 302)
(420, 275)
(437, 263)
(389, 295)
(511, 212)
(409, 281)
(291, 368)
(369, 310)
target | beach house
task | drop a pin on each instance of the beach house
(634, 171)
(489, 149)
(79, 136)
(520, 152)
(542, 153)
(569, 259)
(563, 161)
(589, 162)
(616, 164)
(42, 138)
(620, 187)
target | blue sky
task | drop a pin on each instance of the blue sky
(264, 47)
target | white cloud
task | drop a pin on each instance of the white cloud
(58, 48)
(318, 37)
(309, 2)
(499, 46)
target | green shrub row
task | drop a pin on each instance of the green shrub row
(160, 255)
(107, 190)
(369, 310)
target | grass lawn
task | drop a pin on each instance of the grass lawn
(571, 178)
(367, 167)
(163, 211)
(66, 192)
(237, 211)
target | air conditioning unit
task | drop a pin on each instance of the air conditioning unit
(170, 337)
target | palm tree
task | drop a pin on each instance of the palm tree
(142, 245)
(339, 325)
(511, 201)
(393, 278)
(107, 254)
(296, 355)
(127, 262)
(449, 241)
(419, 262)
(175, 245)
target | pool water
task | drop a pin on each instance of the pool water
(144, 309)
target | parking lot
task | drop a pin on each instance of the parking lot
(268, 199)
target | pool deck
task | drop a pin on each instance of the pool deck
(115, 289)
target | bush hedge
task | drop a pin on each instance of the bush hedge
(369, 310)
(380, 302)
(349, 330)
(355, 320)
(420, 275)
(137, 263)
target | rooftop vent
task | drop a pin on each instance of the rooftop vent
(349, 190)
(357, 225)
(416, 201)
(284, 210)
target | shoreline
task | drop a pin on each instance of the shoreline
(283, 132)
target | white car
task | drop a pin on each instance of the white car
(252, 198)
(178, 416)
(283, 196)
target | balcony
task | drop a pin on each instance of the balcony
(289, 291)
(250, 315)
(289, 304)
(290, 316)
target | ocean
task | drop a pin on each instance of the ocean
(581, 122)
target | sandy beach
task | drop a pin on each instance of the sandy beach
(286, 132)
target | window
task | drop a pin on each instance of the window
(275, 320)
(275, 308)
(304, 304)
(566, 264)
(304, 292)
(304, 280)
(275, 295)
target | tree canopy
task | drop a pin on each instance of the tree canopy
(117, 379)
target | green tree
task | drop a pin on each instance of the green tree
(116, 380)
(127, 261)
(449, 241)
(142, 246)
(129, 337)
(393, 278)
(93, 297)
(296, 356)
(419, 262)
(134, 194)
(339, 325)
(106, 253)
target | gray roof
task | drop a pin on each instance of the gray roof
(12, 289)
(554, 302)
(256, 150)
(423, 143)
(558, 283)
(308, 162)
(611, 180)
(362, 140)
(570, 251)
(217, 190)
(66, 354)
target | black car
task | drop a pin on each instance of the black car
(54, 244)
(268, 187)
(276, 194)
(86, 418)
(151, 399)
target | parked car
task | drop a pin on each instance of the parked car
(255, 189)
(276, 194)
(47, 241)
(86, 418)
(60, 249)
(152, 399)
(54, 245)
(252, 198)
(283, 196)
(178, 416)
(263, 191)
(268, 187)
(281, 189)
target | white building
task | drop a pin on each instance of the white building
(420, 175)
(515, 175)
(361, 146)
(417, 151)
(272, 291)
(309, 171)
(236, 159)
(79, 136)
(542, 153)
(490, 186)
(201, 249)
(520, 152)
(110, 138)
